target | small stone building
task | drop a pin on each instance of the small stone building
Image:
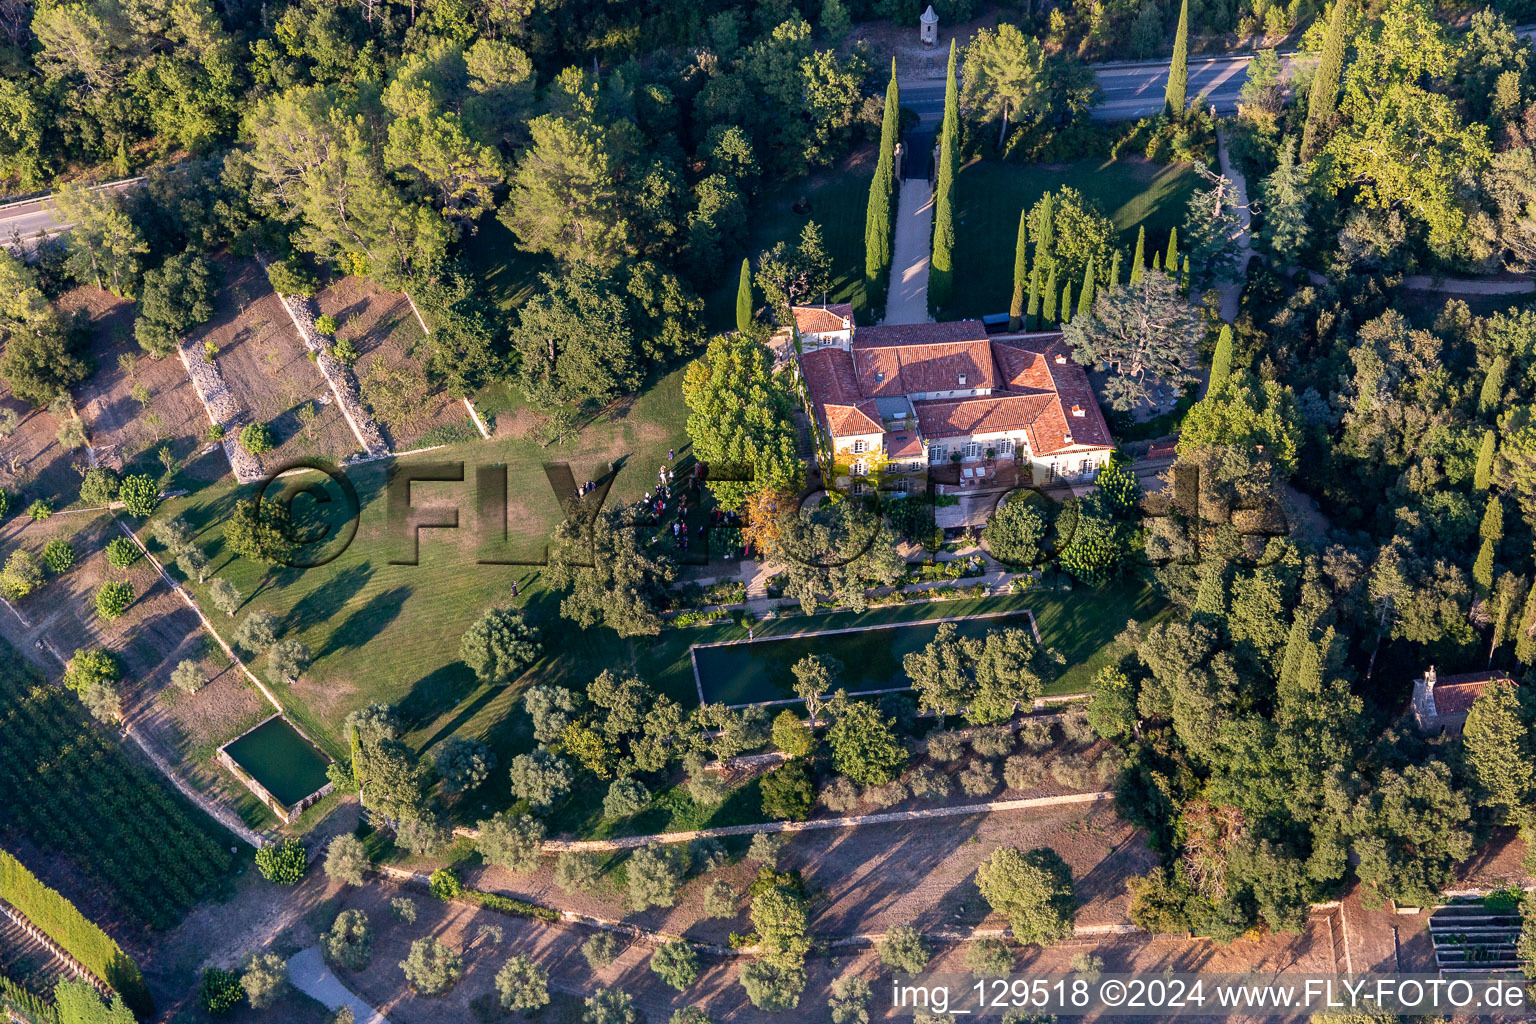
(1441, 703)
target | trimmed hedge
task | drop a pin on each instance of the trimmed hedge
(445, 885)
(59, 919)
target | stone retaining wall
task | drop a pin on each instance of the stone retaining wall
(222, 410)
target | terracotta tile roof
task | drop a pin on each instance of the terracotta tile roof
(1455, 695)
(905, 444)
(835, 394)
(819, 319)
(913, 369)
(1035, 386)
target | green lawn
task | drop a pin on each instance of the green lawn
(835, 200)
(1131, 193)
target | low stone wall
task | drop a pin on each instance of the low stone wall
(222, 411)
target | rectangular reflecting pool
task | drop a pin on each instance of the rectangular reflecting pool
(756, 671)
(280, 761)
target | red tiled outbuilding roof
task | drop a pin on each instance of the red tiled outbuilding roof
(822, 319)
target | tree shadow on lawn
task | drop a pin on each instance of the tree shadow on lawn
(433, 694)
(366, 622)
(464, 712)
(320, 604)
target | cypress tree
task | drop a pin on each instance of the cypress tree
(1045, 231)
(744, 299)
(1482, 569)
(1139, 261)
(1174, 98)
(1157, 262)
(1483, 475)
(1049, 312)
(882, 189)
(1325, 81)
(1114, 271)
(1525, 642)
(1085, 296)
(1493, 520)
(1184, 275)
(1493, 386)
(941, 270)
(1020, 273)
(1171, 257)
(1221, 359)
(1033, 310)
(1066, 302)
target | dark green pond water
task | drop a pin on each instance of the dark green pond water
(281, 760)
(741, 673)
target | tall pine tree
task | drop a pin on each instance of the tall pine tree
(882, 189)
(744, 303)
(1139, 261)
(1020, 273)
(941, 272)
(1175, 97)
(1325, 81)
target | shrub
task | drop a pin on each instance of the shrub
(522, 985)
(1070, 771)
(610, 1006)
(499, 645)
(21, 575)
(283, 863)
(840, 796)
(626, 796)
(766, 848)
(257, 633)
(886, 795)
(541, 778)
(404, 909)
(39, 510)
(219, 991)
(979, 778)
(113, 598)
(326, 325)
(600, 950)
(944, 745)
(432, 967)
(287, 660)
(256, 438)
(903, 949)
(349, 943)
(293, 277)
(720, 900)
(1077, 728)
(849, 1001)
(791, 735)
(225, 596)
(676, 963)
(188, 676)
(787, 792)
(92, 666)
(463, 764)
(264, 979)
(444, 884)
(346, 860)
(511, 841)
(344, 351)
(992, 740)
(99, 486)
(575, 872)
(1035, 735)
(140, 495)
(58, 555)
(121, 552)
(708, 855)
(689, 1015)
(1033, 890)
(928, 781)
(1023, 772)
(989, 957)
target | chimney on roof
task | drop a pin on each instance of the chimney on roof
(962, 380)
(847, 323)
(1429, 684)
(1079, 411)
(1061, 359)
